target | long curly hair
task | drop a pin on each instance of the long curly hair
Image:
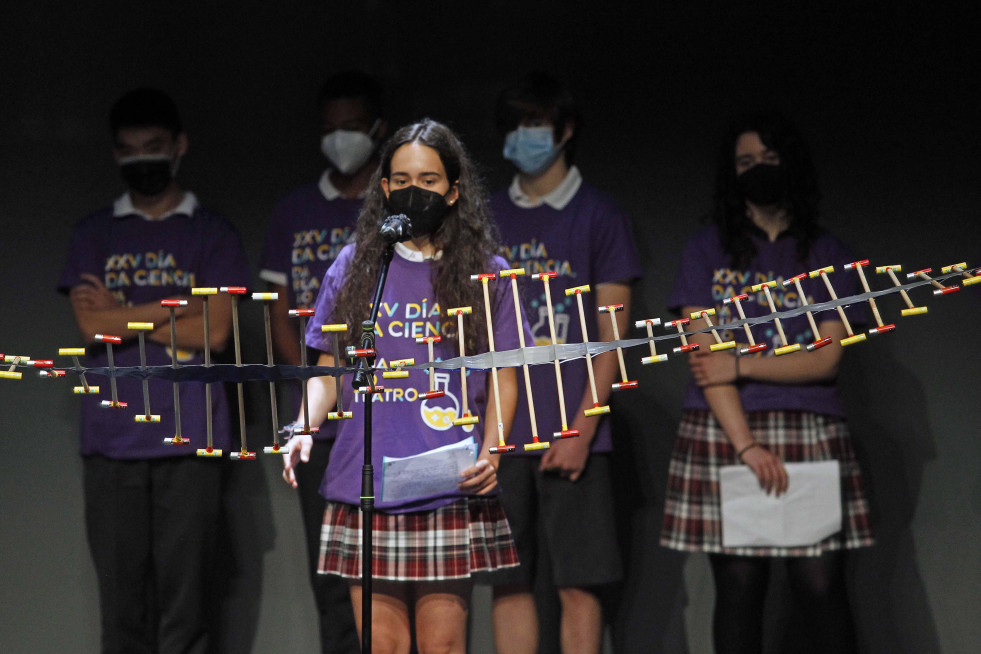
(729, 209)
(467, 238)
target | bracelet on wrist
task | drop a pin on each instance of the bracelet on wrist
(739, 454)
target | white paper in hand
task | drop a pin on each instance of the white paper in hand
(807, 513)
(430, 474)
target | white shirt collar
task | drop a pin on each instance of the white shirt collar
(560, 196)
(414, 255)
(328, 189)
(123, 206)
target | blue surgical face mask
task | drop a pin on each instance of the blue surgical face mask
(532, 149)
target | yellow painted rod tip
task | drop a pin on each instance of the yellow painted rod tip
(6, 374)
(395, 374)
(467, 420)
(536, 446)
(143, 418)
(333, 328)
(334, 415)
(884, 269)
(213, 453)
(455, 311)
(141, 326)
(71, 351)
(787, 349)
(512, 271)
(204, 290)
(654, 359)
(851, 340)
(950, 268)
(914, 311)
(718, 347)
(970, 281)
(597, 411)
(82, 390)
(695, 315)
(577, 289)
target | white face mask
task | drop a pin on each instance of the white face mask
(348, 150)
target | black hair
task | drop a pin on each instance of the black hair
(801, 203)
(467, 237)
(539, 96)
(353, 84)
(145, 107)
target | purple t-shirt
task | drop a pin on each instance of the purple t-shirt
(145, 261)
(706, 278)
(589, 241)
(403, 424)
(306, 232)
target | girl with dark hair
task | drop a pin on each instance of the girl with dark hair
(426, 549)
(766, 410)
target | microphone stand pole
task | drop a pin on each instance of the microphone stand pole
(364, 377)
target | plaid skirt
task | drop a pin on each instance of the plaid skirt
(692, 513)
(452, 542)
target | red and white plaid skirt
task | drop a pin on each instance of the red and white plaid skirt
(692, 513)
(451, 542)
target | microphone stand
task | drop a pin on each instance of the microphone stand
(364, 377)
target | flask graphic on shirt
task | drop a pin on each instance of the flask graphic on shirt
(540, 329)
(439, 413)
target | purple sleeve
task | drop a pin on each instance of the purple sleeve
(224, 262)
(324, 308)
(278, 244)
(829, 251)
(613, 248)
(84, 256)
(693, 283)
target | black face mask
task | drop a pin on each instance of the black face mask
(147, 176)
(424, 208)
(764, 184)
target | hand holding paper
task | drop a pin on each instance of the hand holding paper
(429, 474)
(807, 513)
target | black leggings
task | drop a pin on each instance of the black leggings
(817, 584)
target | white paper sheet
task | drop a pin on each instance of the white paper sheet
(807, 513)
(430, 474)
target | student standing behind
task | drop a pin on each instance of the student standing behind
(150, 508)
(551, 221)
(306, 232)
(763, 411)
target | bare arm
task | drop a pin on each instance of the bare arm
(722, 396)
(322, 397)
(482, 477)
(97, 312)
(568, 456)
(809, 367)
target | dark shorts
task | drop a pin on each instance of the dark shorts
(570, 523)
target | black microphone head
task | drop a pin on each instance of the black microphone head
(396, 229)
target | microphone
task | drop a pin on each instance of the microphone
(396, 229)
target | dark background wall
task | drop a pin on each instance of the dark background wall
(883, 90)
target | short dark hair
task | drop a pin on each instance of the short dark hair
(540, 96)
(353, 84)
(145, 107)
